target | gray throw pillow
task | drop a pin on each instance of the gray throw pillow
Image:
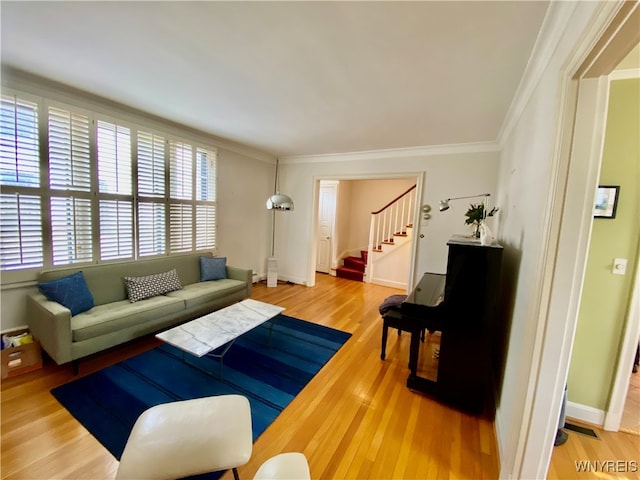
(139, 288)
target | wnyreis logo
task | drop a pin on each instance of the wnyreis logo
(607, 466)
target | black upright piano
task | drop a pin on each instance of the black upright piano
(465, 314)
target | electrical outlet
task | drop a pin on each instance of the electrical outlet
(619, 266)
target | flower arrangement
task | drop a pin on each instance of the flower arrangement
(476, 214)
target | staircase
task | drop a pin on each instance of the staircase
(353, 268)
(387, 257)
(390, 241)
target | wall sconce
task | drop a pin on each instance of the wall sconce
(444, 204)
(425, 212)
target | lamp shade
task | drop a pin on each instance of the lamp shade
(279, 201)
(444, 205)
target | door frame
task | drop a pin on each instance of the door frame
(334, 184)
(313, 250)
(567, 223)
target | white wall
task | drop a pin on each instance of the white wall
(525, 185)
(368, 196)
(244, 223)
(446, 175)
(343, 218)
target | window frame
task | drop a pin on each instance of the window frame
(46, 193)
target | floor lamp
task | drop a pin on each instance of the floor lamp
(282, 202)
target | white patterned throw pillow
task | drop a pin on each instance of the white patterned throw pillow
(139, 288)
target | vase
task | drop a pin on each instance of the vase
(486, 237)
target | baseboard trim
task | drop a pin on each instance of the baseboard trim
(389, 283)
(585, 413)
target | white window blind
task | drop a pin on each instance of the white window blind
(151, 229)
(205, 227)
(116, 229)
(181, 230)
(151, 169)
(181, 171)
(71, 234)
(114, 158)
(20, 231)
(67, 175)
(69, 155)
(19, 151)
(205, 175)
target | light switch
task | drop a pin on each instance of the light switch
(619, 266)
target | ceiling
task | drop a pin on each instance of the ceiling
(290, 78)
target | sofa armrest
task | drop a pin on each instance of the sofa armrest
(243, 275)
(50, 323)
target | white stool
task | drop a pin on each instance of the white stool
(286, 466)
(189, 437)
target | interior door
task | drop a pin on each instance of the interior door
(326, 221)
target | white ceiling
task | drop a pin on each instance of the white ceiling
(290, 78)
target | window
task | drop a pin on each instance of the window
(114, 158)
(151, 168)
(151, 186)
(151, 222)
(71, 230)
(70, 172)
(21, 242)
(21, 231)
(69, 151)
(19, 150)
(79, 188)
(205, 198)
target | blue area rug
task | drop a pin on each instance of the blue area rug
(270, 372)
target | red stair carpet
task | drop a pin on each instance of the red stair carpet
(353, 268)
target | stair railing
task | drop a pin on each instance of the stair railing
(389, 221)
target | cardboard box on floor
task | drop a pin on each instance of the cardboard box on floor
(22, 359)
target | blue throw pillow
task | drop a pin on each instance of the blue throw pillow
(213, 268)
(71, 291)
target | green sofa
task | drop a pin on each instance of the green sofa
(114, 319)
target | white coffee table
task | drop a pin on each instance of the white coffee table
(203, 335)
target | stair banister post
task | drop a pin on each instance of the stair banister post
(395, 217)
(411, 207)
(377, 239)
(369, 267)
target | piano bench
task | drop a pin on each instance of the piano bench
(394, 319)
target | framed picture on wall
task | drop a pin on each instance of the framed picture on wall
(606, 201)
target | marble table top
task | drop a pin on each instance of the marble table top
(204, 334)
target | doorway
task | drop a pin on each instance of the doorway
(567, 226)
(341, 222)
(327, 198)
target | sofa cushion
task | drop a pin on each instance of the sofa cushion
(213, 268)
(71, 291)
(103, 319)
(198, 294)
(139, 288)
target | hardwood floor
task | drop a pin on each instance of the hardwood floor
(355, 419)
(618, 452)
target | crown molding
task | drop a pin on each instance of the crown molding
(386, 154)
(33, 84)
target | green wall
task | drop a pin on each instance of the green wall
(606, 297)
